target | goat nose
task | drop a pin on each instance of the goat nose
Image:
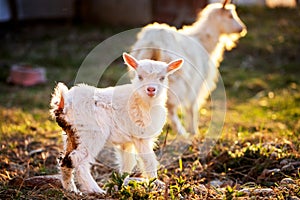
(150, 89)
(243, 31)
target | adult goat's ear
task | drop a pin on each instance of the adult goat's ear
(174, 65)
(130, 60)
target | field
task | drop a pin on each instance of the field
(256, 157)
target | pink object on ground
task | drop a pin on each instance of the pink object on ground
(26, 75)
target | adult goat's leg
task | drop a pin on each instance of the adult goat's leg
(191, 118)
(176, 124)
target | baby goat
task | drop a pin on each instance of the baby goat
(130, 117)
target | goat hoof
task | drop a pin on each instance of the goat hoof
(137, 179)
(94, 191)
(159, 184)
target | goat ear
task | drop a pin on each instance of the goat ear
(174, 65)
(130, 60)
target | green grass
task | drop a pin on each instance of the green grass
(261, 131)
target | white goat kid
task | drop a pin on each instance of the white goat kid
(217, 29)
(130, 117)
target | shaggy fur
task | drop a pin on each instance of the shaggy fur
(129, 117)
(217, 29)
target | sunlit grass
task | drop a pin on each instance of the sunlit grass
(16, 122)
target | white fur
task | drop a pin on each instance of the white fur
(217, 29)
(124, 116)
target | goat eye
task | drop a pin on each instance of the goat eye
(140, 77)
(162, 78)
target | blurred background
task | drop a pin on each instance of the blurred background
(126, 12)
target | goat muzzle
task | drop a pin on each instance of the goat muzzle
(151, 91)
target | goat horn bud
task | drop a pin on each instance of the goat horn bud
(225, 2)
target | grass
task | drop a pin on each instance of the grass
(261, 130)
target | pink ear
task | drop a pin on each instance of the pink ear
(130, 61)
(174, 65)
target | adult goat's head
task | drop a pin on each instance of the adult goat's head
(230, 21)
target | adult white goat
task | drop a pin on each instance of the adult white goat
(217, 29)
(130, 117)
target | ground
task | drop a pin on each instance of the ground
(256, 157)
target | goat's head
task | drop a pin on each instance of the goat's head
(227, 19)
(231, 21)
(151, 77)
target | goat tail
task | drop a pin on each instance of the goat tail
(58, 99)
